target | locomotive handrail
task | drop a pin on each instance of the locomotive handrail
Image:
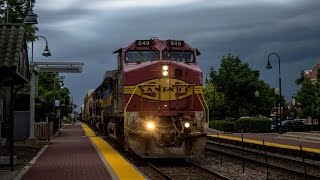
(125, 108)
(207, 108)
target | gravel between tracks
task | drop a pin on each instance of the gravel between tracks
(293, 165)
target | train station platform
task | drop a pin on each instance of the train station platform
(77, 153)
(272, 140)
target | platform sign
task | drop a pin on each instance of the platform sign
(57, 103)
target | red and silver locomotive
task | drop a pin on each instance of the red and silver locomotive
(153, 102)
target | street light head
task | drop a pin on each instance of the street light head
(293, 101)
(256, 93)
(277, 91)
(46, 52)
(269, 66)
(31, 18)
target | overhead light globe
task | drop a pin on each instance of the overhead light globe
(186, 125)
(269, 66)
(31, 18)
(46, 52)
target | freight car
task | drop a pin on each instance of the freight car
(153, 102)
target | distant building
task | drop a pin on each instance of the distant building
(312, 74)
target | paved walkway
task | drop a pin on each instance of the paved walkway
(69, 156)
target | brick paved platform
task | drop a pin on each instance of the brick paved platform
(70, 156)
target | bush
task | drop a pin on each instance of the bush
(253, 125)
(222, 125)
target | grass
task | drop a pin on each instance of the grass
(24, 153)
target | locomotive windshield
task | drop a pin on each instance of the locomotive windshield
(141, 56)
(180, 56)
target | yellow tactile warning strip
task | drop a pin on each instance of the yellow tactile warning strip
(88, 130)
(313, 150)
(120, 166)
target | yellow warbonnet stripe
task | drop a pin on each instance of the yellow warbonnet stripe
(313, 150)
(119, 165)
(170, 89)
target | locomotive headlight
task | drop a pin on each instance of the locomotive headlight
(186, 125)
(165, 67)
(150, 125)
(165, 73)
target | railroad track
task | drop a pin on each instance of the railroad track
(182, 169)
(262, 157)
(261, 153)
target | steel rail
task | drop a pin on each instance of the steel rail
(262, 153)
(297, 173)
(159, 171)
(189, 164)
(219, 176)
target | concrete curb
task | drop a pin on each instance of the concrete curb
(24, 170)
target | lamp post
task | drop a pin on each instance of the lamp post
(279, 97)
(256, 94)
(60, 120)
(45, 53)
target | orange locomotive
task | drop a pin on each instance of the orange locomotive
(153, 102)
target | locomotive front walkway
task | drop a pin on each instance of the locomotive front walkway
(69, 156)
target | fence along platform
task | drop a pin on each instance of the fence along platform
(43, 130)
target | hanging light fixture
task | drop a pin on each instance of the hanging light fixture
(31, 18)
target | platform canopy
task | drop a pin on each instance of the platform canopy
(61, 67)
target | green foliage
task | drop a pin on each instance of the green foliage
(308, 97)
(222, 125)
(236, 82)
(253, 125)
(50, 88)
(18, 10)
(215, 101)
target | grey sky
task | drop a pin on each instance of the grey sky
(89, 31)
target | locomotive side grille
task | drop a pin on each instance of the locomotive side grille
(177, 73)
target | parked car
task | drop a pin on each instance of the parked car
(292, 125)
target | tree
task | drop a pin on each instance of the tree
(49, 89)
(18, 9)
(215, 101)
(308, 96)
(238, 83)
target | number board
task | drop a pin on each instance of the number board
(175, 43)
(143, 42)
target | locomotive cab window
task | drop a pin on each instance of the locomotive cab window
(141, 56)
(179, 56)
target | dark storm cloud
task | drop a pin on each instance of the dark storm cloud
(90, 31)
